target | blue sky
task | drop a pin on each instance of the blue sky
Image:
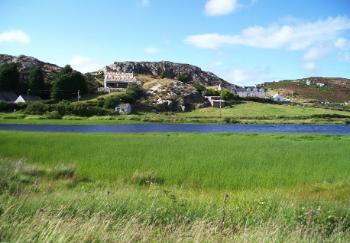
(243, 41)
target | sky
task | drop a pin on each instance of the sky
(243, 41)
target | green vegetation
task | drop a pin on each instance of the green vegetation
(207, 160)
(244, 112)
(9, 77)
(36, 82)
(174, 187)
(67, 83)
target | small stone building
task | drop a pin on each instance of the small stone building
(123, 109)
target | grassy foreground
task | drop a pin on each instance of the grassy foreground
(174, 187)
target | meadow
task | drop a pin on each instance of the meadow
(58, 187)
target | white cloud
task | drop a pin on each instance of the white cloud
(151, 50)
(341, 43)
(316, 53)
(85, 64)
(220, 7)
(294, 36)
(345, 57)
(247, 77)
(145, 3)
(309, 66)
(14, 36)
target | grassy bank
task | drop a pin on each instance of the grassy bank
(246, 112)
(174, 187)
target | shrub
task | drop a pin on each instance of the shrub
(10, 107)
(37, 108)
(83, 109)
(53, 115)
(200, 88)
(134, 92)
(228, 96)
(183, 78)
(111, 102)
(145, 178)
(211, 92)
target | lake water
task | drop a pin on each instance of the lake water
(201, 128)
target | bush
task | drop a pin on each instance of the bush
(146, 178)
(228, 96)
(200, 88)
(83, 109)
(111, 102)
(10, 107)
(183, 78)
(37, 108)
(211, 92)
(134, 92)
(53, 115)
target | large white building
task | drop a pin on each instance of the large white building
(255, 92)
(116, 81)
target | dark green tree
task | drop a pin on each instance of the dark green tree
(135, 92)
(9, 77)
(67, 83)
(36, 82)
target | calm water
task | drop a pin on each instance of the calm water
(203, 128)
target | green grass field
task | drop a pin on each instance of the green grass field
(171, 187)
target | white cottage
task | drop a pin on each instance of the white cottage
(27, 98)
(116, 81)
(254, 92)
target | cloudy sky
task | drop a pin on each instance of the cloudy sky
(243, 41)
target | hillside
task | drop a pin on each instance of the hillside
(313, 89)
(26, 63)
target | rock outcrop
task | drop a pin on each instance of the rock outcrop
(26, 63)
(170, 70)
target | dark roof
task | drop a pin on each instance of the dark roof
(7, 96)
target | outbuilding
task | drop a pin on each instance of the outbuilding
(123, 109)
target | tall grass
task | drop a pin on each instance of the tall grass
(49, 209)
(199, 161)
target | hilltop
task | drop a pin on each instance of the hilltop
(313, 89)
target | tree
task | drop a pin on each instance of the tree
(134, 92)
(211, 92)
(67, 83)
(227, 95)
(9, 77)
(36, 81)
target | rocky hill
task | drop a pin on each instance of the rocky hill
(170, 70)
(26, 63)
(313, 89)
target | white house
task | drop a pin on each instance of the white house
(256, 92)
(116, 81)
(279, 98)
(26, 98)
